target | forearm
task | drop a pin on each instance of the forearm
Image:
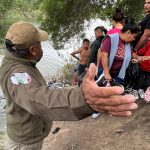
(146, 58)
(105, 65)
(75, 57)
(141, 42)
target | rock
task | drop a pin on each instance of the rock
(55, 130)
(119, 131)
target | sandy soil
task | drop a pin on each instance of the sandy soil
(104, 133)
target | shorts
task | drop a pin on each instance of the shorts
(143, 81)
(81, 69)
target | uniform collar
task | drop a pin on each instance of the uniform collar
(10, 56)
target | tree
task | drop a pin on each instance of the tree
(65, 18)
(133, 8)
(13, 9)
(26, 8)
(4, 6)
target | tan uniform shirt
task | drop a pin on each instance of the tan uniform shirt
(31, 106)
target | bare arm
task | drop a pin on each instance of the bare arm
(105, 65)
(76, 52)
(137, 58)
(143, 39)
(146, 57)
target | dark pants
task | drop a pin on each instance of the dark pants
(81, 73)
(81, 69)
(143, 81)
(113, 75)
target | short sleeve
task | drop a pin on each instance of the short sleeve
(106, 45)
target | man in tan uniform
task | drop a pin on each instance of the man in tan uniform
(31, 106)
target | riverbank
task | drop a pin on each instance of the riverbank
(104, 133)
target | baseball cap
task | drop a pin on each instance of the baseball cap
(24, 34)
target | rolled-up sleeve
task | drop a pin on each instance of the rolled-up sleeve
(49, 103)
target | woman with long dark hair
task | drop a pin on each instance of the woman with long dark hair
(118, 21)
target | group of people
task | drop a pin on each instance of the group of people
(31, 106)
(113, 53)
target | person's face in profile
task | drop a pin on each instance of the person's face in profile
(147, 6)
(98, 33)
(129, 37)
(36, 52)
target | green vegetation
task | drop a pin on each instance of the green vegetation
(4, 6)
(64, 19)
(68, 74)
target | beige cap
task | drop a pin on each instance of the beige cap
(24, 34)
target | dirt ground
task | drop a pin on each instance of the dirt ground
(104, 133)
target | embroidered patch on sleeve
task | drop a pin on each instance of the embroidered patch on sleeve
(20, 78)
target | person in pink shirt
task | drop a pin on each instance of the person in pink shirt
(118, 22)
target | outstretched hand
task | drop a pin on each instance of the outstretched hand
(106, 99)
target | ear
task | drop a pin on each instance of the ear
(32, 51)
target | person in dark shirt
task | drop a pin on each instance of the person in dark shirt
(100, 33)
(131, 83)
(145, 27)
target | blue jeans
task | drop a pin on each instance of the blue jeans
(113, 75)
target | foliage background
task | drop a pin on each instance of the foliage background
(64, 19)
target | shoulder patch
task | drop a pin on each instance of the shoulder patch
(20, 78)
